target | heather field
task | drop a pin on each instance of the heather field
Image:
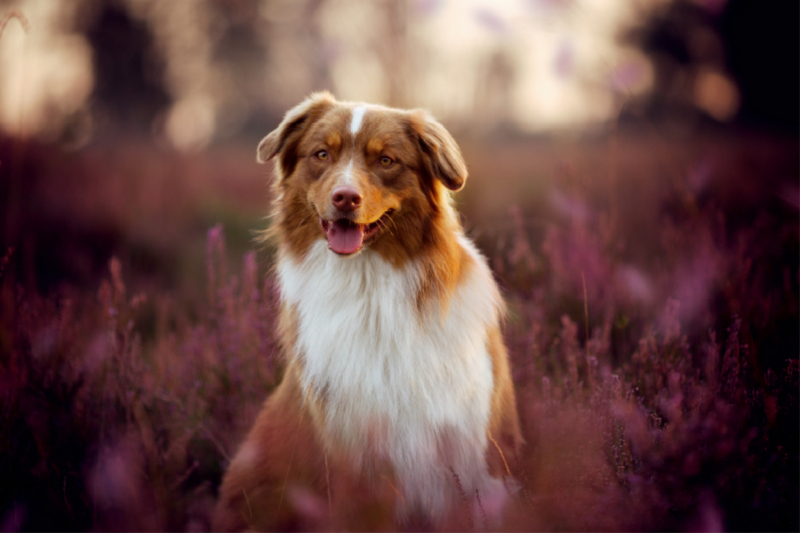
(652, 289)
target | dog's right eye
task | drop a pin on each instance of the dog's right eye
(322, 155)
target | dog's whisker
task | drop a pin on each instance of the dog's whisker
(300, 224)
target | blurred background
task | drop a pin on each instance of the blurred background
(194, 74)
(129, 125)
(634, 182)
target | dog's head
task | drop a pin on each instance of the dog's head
(355, 173)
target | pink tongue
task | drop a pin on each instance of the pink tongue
(344, 238)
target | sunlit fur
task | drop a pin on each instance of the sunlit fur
(397, 374)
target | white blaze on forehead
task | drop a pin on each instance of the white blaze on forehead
(358, 117)
(348, 172)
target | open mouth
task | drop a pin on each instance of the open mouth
(345, 237)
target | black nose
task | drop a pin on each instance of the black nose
(346, 198)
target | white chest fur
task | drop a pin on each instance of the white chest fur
(409, 390)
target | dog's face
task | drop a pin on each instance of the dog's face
(360, 175)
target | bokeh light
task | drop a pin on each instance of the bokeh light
(483, 66)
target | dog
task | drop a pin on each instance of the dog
(397, 386)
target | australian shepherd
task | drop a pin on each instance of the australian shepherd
(397, 387)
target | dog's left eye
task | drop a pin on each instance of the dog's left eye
(386, 161)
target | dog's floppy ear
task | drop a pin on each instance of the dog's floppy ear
(286, 136)
(438, 147)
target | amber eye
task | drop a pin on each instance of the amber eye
(322, 154)
(386, 161)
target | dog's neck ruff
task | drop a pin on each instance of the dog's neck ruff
(408, 390)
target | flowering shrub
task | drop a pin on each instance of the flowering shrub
(117, 431)
(654, 395)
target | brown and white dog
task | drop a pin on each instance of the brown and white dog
(398, 381)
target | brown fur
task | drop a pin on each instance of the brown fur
(283, 456)
(504, 430)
